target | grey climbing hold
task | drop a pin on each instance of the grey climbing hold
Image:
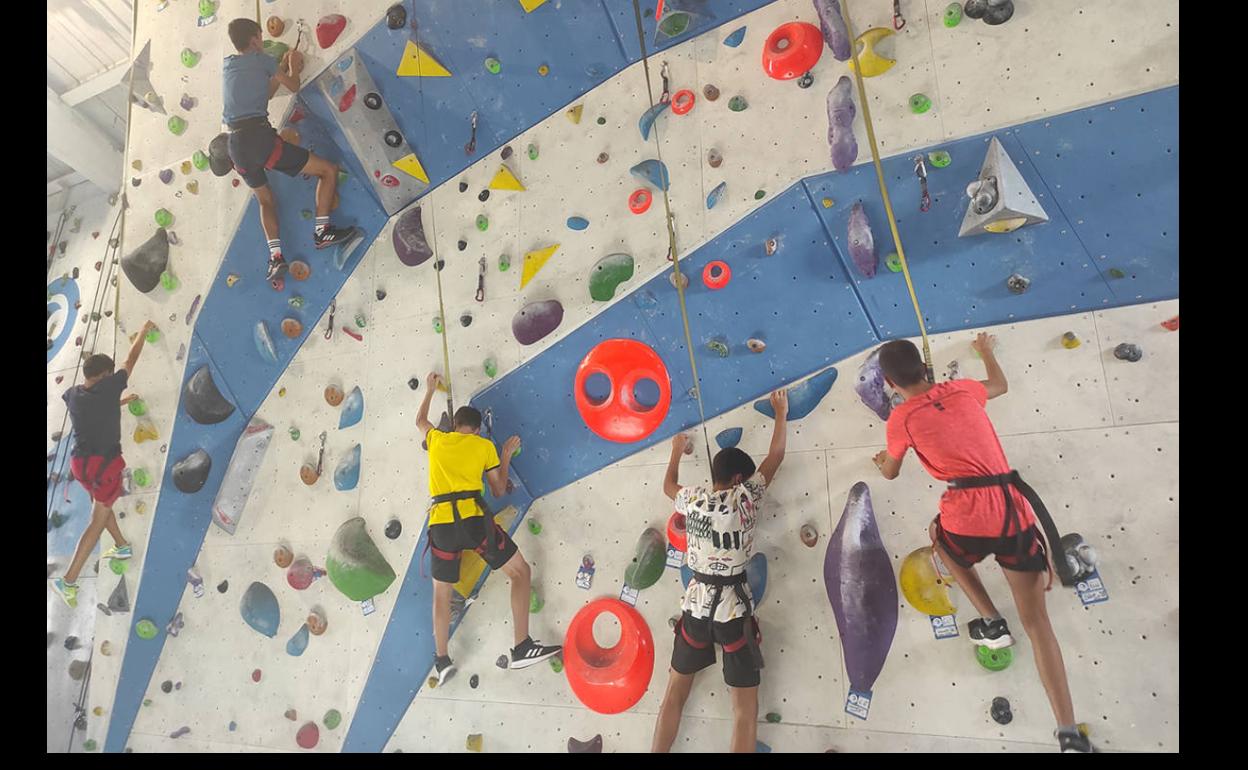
(144, 265)
(119, 599)
(1127, 351)
(410, 243)
(190, 473)
(204, 403)
(593, 745)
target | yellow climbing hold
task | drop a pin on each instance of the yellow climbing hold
(505, 180)
(1005, 225)
(145, 431)
(574, 114)
(531, 5)
(828, 203)
(471, 565)
(410, 164)
(533, 262)
(417, 63)
(924, 588)
(872, 63)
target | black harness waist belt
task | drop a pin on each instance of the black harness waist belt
(239, 125)
(454, 498)
(1013, 479)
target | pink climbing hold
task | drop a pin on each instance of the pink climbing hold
(255, 675)
(302, 573)
(308, 736)
(347, 100)
(329, 28)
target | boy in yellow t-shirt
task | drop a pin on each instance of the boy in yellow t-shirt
(460, 520)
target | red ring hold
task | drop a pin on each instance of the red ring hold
(676, 534)
(682, 101)
(792, 50)
(619, 417)
(640, 201)
(716, 275)
(612, 680)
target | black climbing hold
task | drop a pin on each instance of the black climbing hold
(57, 435)
(381, 294)
(144, 265)
(439, 264)
(204, 403)
(507, 152)
(462, 245)
(166, 686)
(396, 16)
(372, 100)
(602, 121)
(473, 681)
(465, 320)
(393, 528)
(413, 383)
(999, 13)
(591, 746)
(502, 661)
(1128, 352)
(223, 586)
(806, 81)
(393, 138)
(49, 343)
(190, 473)
(463, 186)
(219, 155)
(1000, 711)
(483, 196)
(975, 9)
(72, 643)
(57, 520)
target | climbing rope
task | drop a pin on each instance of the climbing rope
(671, 236)
(879, 175)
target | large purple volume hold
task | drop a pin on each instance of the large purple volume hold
(841, 112)
(535, 320)
(833, 27)
(410, 243)
(870, 386)
(859, 577)
(861, 242)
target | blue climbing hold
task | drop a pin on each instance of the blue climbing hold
(686, 575)
(761, 748)
(756, 577)
(653, 172)
(728, 438)
(347, 474)
(648, 118)
(578, 223)
(336, 86)
(264, 343)
(734, 40)
(352, 409)
(645, 299)
(715, 195)
(348, 248)
(259, 609)
(299, 642)
(344, 64)
(803, 398)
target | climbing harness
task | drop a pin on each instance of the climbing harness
(879, 175)
(920, 170)
(676, 276)
(471, 147)
(899, 21)
(751, 634)
(489, 543)
(481, 280)
(329, 327)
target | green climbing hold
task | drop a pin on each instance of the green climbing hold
(294, 434)
(145, 628)
(483, 222)
(894, 262)
(360, 321)
(141, 477)
(1116, 273)
(296, 301)
(89, 745)
(953, 14)
(649, 560)
(773, 717)
(675, 24)
(759, 195)
(939, 158)
(920, 103)
(491, 368)
(137, 407)
(342, 178)
(535, 602)
(437, 324)
(169, 281)
(535, 527)
(307, 213)
(152, 335)
(556, 665)
(118, 566)
(189, 58)
(176, 125)
(332, 719)
(607, 274)
(532, 152)
(147, 701)
(163, 218)
(275, 49)
(718, 347)
(737, 104)
(504, 263)
(994, 660)
(200, 159)
(493, 65)
(354, 564)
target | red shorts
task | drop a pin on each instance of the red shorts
(102, 481)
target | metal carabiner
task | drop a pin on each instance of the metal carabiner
(920, 170)
(329, 329)
(666, 96)
(471, 147)
(899, 21)
(481, 280)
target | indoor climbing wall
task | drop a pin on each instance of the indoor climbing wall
(541, 256)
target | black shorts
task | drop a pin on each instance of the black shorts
(466, 535)
(256, 148)
(1021, 553)
(741, 669)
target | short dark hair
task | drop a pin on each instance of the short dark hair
(96, 365)
(242, 31)
(467, 417)
(731, 462)
(902, 363)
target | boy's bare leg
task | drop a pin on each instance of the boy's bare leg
(268, 212)
(521, 577)
(441, 617)
(326, 174)
(668, 723)
(114, 529)
(968, 579)
(1029, 591)
(744, 720)
(86, 544)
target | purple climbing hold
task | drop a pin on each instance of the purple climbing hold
(166, 175)
(858, 575)
(410, 243)
(861, 242)
(178, 733)
(871, 388)
(535, 320)
(832, 24)
(841, 112)
(591, 746)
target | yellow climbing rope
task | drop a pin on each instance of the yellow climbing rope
(879, 175)
(671, 237)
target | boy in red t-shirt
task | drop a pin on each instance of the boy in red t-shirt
(949, 430)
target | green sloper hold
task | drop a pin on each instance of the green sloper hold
(354, 564)
(607, 274)
(649, 560)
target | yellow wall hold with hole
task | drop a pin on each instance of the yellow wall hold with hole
(924, 588)
(872, 63)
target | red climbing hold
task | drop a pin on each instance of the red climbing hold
(676, 532)
(640, 201)
(682, 101)
(308, 736)
(348, 99)
(329, 28)
(620, 416)
(716, 275)
(792, 50)
(612, 680)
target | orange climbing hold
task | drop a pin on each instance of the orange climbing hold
(639, 202)
(792, 50)
(716, 275)
(611, 680)
(682, 101)
(676, 534)
(329, 28)
(620, 416)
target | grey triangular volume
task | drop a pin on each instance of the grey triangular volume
(999, 197)
(119, 601)
(142, 92)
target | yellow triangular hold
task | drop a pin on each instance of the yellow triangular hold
(505, 180)
(533, 262)
(530, 5)
(410, 164)
(417, 62)
(574, 114)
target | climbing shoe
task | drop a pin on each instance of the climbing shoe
(277, 268)
(115, 552)
(529, 652)
(67, 591)
(332, 236)
(1075, 743)
(443, 669)
(994, 635)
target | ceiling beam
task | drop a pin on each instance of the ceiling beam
(96, 85)
(79, 144)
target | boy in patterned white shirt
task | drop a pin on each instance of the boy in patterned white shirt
(718, 607)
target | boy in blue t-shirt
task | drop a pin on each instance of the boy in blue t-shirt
(251, 77)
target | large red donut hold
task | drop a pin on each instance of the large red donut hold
(609, 680)
(792, 50)
(620, 417)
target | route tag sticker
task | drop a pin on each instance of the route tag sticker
(858, 703)
(1091, 590)
(944, 626)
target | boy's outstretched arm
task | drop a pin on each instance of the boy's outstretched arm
(133, 357)
(996, 384)
(779, 435)
(497, 477)
(422, 416)
(670, 486)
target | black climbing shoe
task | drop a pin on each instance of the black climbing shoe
(277, 268)
(529, 652)
(994, 635)
(1075, 743)
(332, 236)
(443, 670)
